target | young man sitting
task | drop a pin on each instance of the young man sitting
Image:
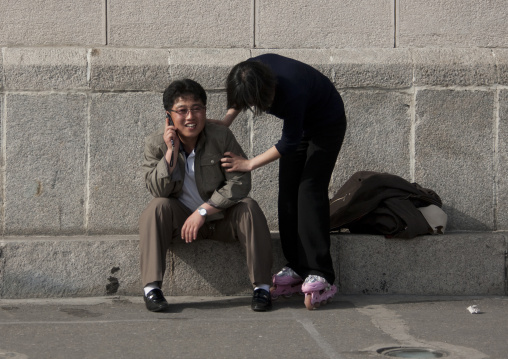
(195, 197)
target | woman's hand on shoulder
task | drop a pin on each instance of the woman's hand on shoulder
(232, 162)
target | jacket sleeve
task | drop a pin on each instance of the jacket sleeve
(237, 185)
(156, 171)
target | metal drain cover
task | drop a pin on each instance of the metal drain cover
(401, 352)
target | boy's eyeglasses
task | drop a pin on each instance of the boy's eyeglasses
(185, 111)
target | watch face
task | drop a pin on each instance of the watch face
(202, 211)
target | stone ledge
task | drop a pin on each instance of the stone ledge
(129, 69)
(109, 68)
(452, 264)
(454, 67)
(45, 68)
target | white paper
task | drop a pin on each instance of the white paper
(473, 309)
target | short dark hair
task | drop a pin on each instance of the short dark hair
(250, 83)
(182, 88)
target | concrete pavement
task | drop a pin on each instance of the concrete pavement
(351, 327)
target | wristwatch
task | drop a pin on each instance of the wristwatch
(202, 211)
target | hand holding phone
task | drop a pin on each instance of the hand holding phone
(169, 122)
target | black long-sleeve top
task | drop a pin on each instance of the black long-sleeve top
(305, 99)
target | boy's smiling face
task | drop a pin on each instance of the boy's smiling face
(189, 117)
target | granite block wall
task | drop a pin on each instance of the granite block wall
(73, 126)
(255, 23)
(425, 88)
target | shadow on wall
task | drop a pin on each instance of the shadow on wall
(209, 267)
(460, 221)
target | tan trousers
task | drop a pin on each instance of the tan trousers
(161, 223)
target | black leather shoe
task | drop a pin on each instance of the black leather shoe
(261, 300)
(155, 301)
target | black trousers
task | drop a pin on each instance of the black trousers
(303, 204)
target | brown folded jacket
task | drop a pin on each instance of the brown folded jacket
(381, 203)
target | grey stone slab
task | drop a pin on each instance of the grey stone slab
(467, 23)
(458, 264)
(45, 170)
(209, 67)
(216, 109)
(384, 68)
(267, 130)
(454, 67)
(54, 22)
(118, 125)
(324, 24)
(502, 164)
(450, 264)
(45, 68)
(501, 56)
(454, 154)
(223, 272)
(188, 24)
(38, 267)
(377, 137)
(129, 69)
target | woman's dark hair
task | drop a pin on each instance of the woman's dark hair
(250, 83)
(182, 88)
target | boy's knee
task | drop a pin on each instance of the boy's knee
(250, 208)
(157, 206)
(248, 205)
(160, 202)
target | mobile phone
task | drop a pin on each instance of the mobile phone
(172, 142)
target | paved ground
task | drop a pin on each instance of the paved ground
(351, 327)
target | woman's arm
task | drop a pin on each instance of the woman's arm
(228, 119)
(237, 163)
(230, 116)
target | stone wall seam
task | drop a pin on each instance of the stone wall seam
(498, 77)
(169, 65)
(375, 89)
(413, 64)
(499, 66)
(395, 20)
(106, 24)
(2, 84)
(491, 88)
(495, 184)
(505, 263)
(412, 140)
(88, 66)
(4, 159)
(253, 22)
(86, 211)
